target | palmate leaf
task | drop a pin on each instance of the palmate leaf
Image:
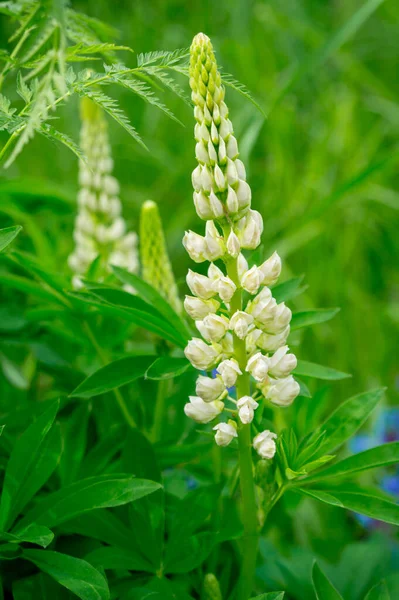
(8, 235)
(387, 454)
(309, 369)
(361, 501)
(345, 421)
(270, 596)
(114, 375)
(75, 574)
(323, 587)
(102, 491)
(167, 367)
(312, 317)
(25, 472)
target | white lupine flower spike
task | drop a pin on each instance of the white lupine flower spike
(244, 341)
(100, 231)
(242, 344)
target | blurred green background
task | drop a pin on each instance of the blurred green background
(322, 167)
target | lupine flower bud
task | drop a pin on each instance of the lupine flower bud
(281, 364)
(197, 308)
(200, 354)
(278, 318)
(196, 246)
(249, 229)
(227, 344)
(261, 304)
(229, 371)
(209, 389)
(202, 412)
(251, 340)
(225, 433)
(246, 406)
(213, 327)
(264, 444)
(214, 273)
(271, 269)
(99, 229)
(233, 244)
(202, 206)
(216, 206)
(242, 265)
(200, 285)
(155, 263)
(214, 242)
(232, 201)
(252, 279)
(225, 287)
(240, 323)
(283, 392)
(258, 366)
(271, 343)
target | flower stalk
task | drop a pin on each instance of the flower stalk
(243, 341)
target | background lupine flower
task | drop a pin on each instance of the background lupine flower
(100, 230)
(155, 263)
(222, 197)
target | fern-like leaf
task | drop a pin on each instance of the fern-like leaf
(139, 88)
(110, 106)
(239, 87)
(54, 135)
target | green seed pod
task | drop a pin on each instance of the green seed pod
(219, 180)
(211, 590)
(155, 263)
(100, 231)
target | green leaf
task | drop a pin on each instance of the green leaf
(110, 106)
(7, 235)
(87, 494)
(270, 596)
(309, 369)
(190, 553)
(34, 534)
(111, 557)
(147, 320)
(387, 454)
(74, 442)
(346, 420)
(75, 574)
(112, 376)
(29, 466)
(239, 87)
(361, 502)
(153, 297)
(288, 290)
(167, 367)
(379, 592)
(312, 317)
(323, 587)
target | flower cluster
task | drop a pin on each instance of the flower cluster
(235, 341)
(100, 230)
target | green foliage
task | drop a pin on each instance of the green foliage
(95, 507)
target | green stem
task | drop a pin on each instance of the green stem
(162, 393)
(118, 396)
(247, 483)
